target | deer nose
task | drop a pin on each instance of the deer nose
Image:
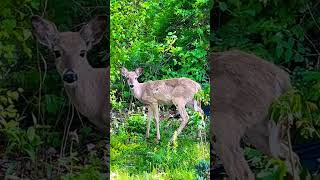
(131, 85)
(70, 76)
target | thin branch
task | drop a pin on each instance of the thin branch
(45, 8)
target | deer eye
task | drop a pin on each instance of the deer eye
(57, 53)
(82, 53)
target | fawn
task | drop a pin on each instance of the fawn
(87, 87)
(177, 91)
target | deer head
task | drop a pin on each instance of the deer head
(131, 76)
(70, 48)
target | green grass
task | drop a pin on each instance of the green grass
(135, 157)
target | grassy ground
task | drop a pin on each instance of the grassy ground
(134, 157)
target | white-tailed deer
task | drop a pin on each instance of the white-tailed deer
(243, 87)
(177, 91)
(86, 86)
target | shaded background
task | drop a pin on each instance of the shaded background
(287, 34)
(34, 109)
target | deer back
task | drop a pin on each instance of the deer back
(163, 91)
(244, 85)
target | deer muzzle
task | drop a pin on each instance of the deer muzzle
(70, 76)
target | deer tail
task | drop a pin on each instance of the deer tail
(197, 103)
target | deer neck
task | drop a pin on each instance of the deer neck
(89, 94)
(138, 90)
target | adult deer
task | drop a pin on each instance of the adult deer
(86, 86)
(177, 91)
(243, 87)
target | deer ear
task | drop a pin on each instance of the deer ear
(124, 71)
(139, 71)
(45, 31)
(93, 32)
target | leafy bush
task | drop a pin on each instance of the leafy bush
(202, 170)
(170, 43)
(14, 33)
(17, 140)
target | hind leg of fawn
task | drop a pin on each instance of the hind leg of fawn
(258, 136)
(194, 105)
(180, 104)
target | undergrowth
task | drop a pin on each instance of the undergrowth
(135, 157)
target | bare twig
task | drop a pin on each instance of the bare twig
(290, 153)
(314, 20)
(45, 7)
(65, 132)
(40, 86)
(68, 129)
(80, 118)
(83, 9)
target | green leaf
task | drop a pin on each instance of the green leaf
(35, 4)
(288, 55)
(31, 133)
(9, 24)
(13, 94)
(223, 6)
(53, 103)
(199, 53)
(279, 50)
(34, 119)
(31, 154)
(26, 34)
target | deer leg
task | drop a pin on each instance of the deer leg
(228, 132)
(263, 138)
(233, 160)
(285, 154)
(150, 114)
(226, 157)
(196, 106)
(180, 104)
(155, 110)
(258, 137)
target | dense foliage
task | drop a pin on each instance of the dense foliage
(168, 38)
(34, 111)
(286, 33)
